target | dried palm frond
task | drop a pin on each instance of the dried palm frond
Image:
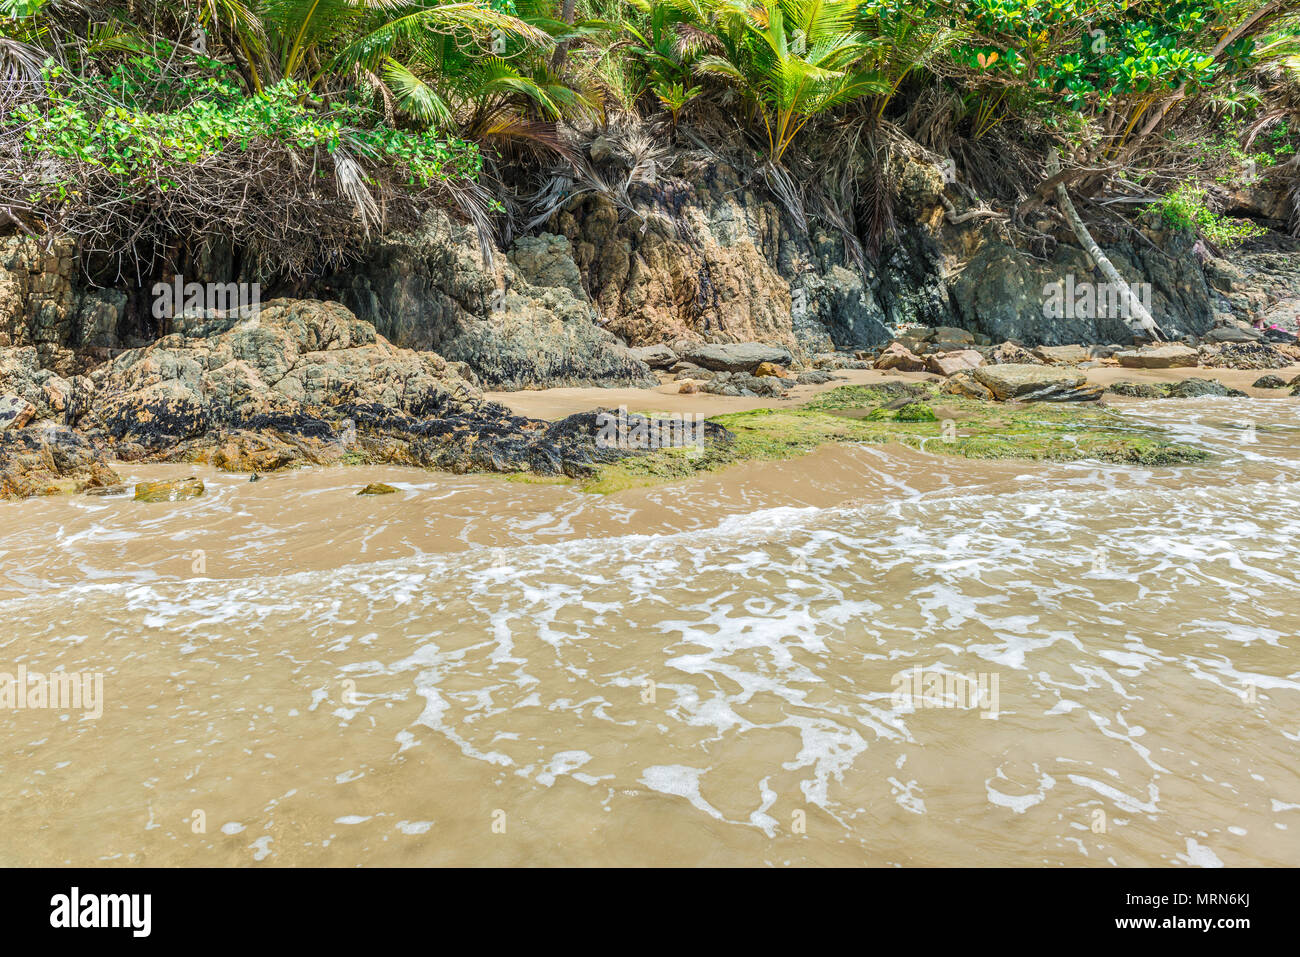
(633, 153)
(350, 178)
(783, 187)
(877, 198)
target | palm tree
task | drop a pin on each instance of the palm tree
(504, 92)
(314, 39)
(793, 59)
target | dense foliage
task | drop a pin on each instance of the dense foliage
(363, 106)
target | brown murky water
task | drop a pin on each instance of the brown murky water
(476, 671)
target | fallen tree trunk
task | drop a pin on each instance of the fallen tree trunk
(1099, 258)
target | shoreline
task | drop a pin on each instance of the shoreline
(806, 420)
(556, 403)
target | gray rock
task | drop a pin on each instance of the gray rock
(656, 357)
(1004, 293)
(526, 323)
(1159, 357)
(1186, 389)
(951, 334)
(1231, 334)
(1269, 382)
(815, 377)
(736, 356)
(1195, 388)
(744, 384)
(1062, 355)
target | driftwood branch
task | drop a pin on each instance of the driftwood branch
(956, 218)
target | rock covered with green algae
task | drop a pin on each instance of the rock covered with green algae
(889, 413)
(177, 490)
(1186, 389)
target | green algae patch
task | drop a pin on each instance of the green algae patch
(532, 478)
(916, 415)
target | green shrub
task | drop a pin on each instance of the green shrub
(137, 139)
(1185, 208)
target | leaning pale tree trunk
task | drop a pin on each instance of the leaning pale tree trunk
(1099, 258)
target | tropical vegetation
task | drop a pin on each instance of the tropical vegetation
(291, 130)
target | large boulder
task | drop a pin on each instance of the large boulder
(1232, 333)
(1006, 294)
(950, 334)
(950, 363)
(898, 356)
(1009, 381)
(1008, 353)
(965, 384)
(221, 373)
(1062, 355)
(733, 357)
(1173, 356)
(658, 356)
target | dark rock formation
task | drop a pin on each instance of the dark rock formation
(306, 381)
(526, 323)
(1186, 389)
(1000, 292)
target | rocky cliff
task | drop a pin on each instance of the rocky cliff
(705, 255)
